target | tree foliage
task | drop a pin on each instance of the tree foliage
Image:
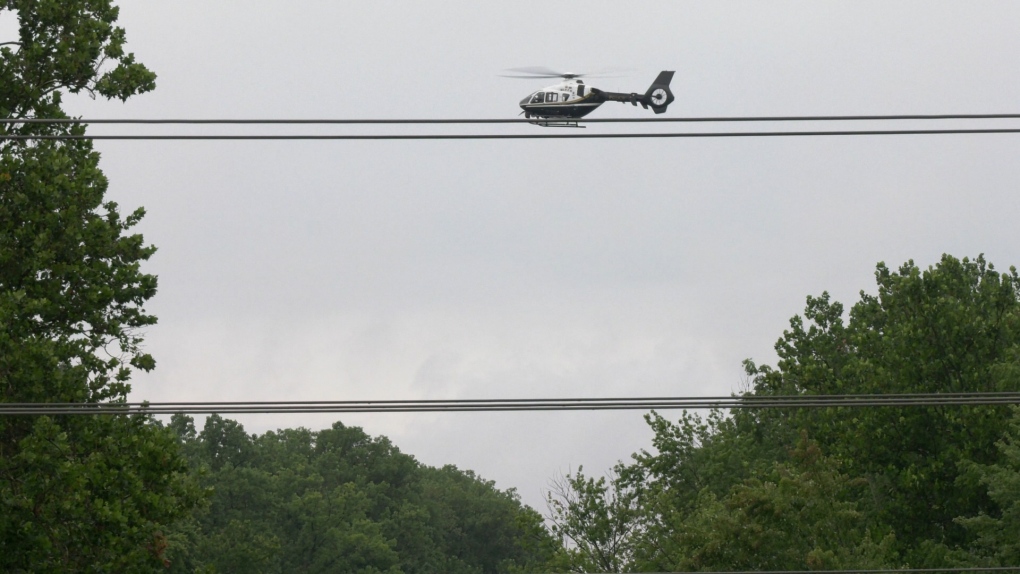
(954, 327)
(840, 487)
(596, 519)
(76, 493)
(996, 533)
(338, 500)
(65, 46)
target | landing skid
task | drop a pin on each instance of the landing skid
(557, 124)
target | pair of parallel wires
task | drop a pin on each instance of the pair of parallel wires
(491, 405)
(7, 124)
(960, 570)
(510, 405)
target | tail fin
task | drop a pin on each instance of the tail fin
(658, 95)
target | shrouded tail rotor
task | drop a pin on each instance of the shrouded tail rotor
(659, 96)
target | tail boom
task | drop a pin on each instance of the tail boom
(658, 97)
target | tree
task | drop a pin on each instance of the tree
(997, 542)
(797, 515)
(896, 487)
(64, 45)
(339, 500)
(77, 492)
(712, 498)
(596, 519)
(694, 459)
(954, 327)
(479, 528)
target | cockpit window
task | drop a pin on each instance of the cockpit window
(537, 98)
(552, 97)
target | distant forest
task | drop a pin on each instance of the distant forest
(338, 500)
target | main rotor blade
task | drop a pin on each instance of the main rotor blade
(540, 71)
(610, 73)
(527, 77)
(543, 72)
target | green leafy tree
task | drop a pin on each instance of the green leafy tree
(238, 546)
(479, 528)
(693, 458)
(713, 498)
(597, 520)
(998, 532)
(798, 515)
(897, 487)
(339, 500)
(76, 493)
(331, 532)
(65, 46)
(951, 328)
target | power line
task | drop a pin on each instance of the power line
(515, 136)
(878, 571)
(337, 121)
(503, 405)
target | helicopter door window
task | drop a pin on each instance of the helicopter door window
(563, 97)
(537, 98)
(551, 97)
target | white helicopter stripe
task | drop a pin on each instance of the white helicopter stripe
(561, 104)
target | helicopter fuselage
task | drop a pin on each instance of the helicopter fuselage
(569, 99)
(573, 99)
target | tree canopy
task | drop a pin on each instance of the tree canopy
(838, 487)
(338, 500)
(77, 493)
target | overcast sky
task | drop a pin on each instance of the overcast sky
(534, 268)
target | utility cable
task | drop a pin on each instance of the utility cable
(497, 405)
(515, 136)
(335, 121)
(958, 570)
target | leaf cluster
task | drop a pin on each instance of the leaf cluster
(77, 494)
(338, 500)
(65, 46)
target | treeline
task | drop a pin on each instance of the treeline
(338, 500)
(834, 488)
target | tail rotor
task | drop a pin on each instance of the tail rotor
(659, 96)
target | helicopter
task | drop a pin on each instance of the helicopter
(561, 105)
